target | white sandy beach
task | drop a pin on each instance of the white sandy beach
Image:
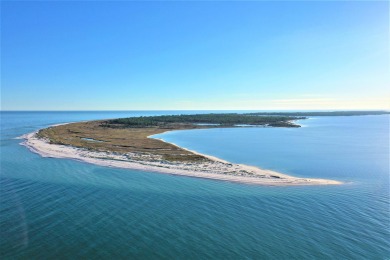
(216, 169)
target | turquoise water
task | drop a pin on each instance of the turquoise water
(56, 208)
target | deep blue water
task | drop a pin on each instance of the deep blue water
(56, 208)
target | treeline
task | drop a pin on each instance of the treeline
(324, 113)
(218, 119)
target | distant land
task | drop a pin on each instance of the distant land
(324, 113)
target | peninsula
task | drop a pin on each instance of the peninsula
(128, 143)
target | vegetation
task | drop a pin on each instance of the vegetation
(92, 136)
(216, 120)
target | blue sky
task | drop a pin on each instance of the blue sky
(95, 55)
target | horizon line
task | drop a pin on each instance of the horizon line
(141, 110)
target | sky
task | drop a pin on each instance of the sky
(196, 55)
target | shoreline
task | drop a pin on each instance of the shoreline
(215, 169)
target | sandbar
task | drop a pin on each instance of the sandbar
(213, 168)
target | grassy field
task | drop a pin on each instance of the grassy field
(120, 140)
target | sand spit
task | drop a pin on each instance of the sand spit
(214, 168)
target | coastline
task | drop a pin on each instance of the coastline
(215, 169)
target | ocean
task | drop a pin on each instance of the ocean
(66, 209)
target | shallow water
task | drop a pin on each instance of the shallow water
(53, 208)
(92, 140)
